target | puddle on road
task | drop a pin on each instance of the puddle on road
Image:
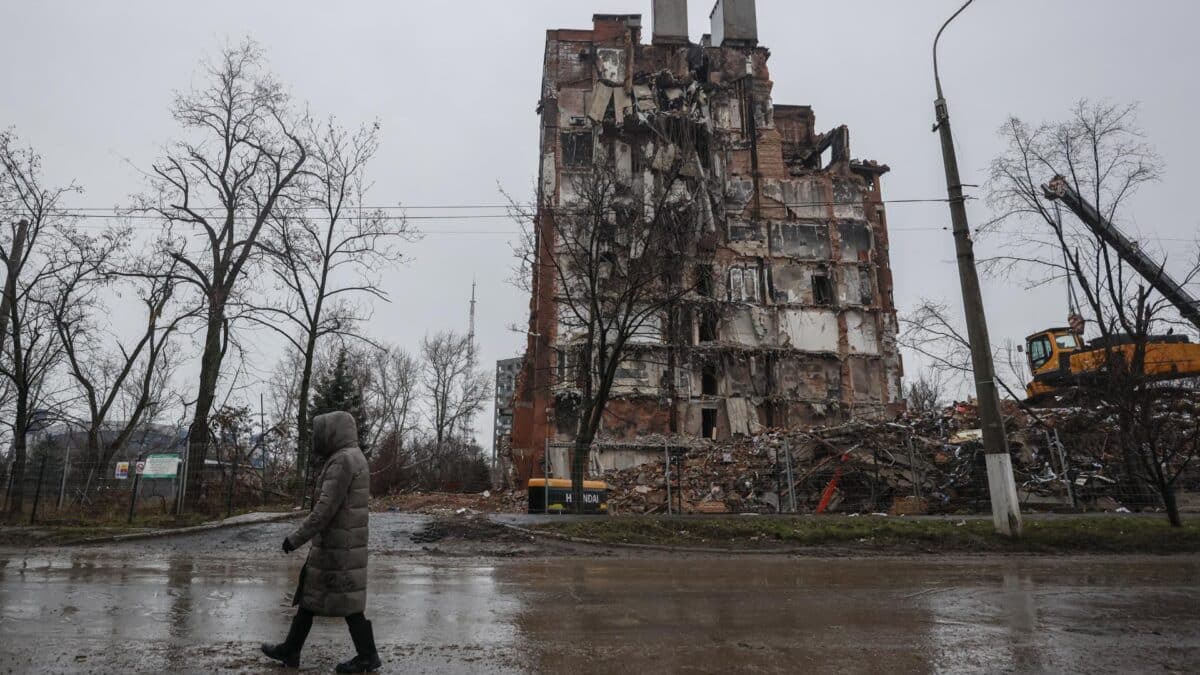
(867, 615)
(101, 609)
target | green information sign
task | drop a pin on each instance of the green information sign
(161, 466)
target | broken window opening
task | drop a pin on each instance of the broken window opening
(822, 287)
(744, 107)
(743, 284)
(577, 148)
(708, 327)
(625, 215)
(609, 263)
(704, 281)
(708, 424)
(866, 289)
(708, 380)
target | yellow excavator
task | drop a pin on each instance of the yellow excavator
(1058, 357)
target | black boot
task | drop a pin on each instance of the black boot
(281, 653)
(288, 651)
(367, 659)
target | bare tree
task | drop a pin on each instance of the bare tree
(617, 258)
(929, 331)
(325, 253)
(1158, 443)
(232, 428)
(454, 390)
(1102, 155)
(926, 393)
(238, 166)
(29, 352)
(280, 398)
(122, 381)
(391, 379)
(391, 389)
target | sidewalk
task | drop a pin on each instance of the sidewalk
(255, 518)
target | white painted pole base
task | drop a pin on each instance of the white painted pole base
(1006, 510)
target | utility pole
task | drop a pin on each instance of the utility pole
(1006, 510)
(10, 282)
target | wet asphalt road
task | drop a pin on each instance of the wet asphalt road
(202, 603)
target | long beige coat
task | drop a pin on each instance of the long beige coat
(334, 579)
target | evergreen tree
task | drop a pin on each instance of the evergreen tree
(338, 390)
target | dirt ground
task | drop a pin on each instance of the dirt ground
(450, 503)
(467, 595)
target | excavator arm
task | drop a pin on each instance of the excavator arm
(1154, 273)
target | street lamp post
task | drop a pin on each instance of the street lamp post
(1006, 511)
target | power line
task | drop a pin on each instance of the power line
(117, 210)
(132, 216)
(438, 232)
(115, 213)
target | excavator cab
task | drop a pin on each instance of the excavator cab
(1045, 350)
(1058, 359)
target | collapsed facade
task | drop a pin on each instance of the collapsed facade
(790, 321)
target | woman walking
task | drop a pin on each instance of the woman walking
(333, 581)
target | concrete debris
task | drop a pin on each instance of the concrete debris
(1065, 459)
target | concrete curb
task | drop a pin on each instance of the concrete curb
(179, 531)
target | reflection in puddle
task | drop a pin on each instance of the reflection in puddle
(578, 614)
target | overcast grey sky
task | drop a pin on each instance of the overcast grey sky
(454, 84)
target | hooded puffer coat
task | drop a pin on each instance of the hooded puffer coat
(334, 579)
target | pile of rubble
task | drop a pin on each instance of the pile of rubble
(1063, 459)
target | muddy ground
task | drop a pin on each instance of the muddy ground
(454, 596)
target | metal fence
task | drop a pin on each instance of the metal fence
(875, 468)
(68, 486)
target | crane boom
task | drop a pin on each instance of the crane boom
(1130, 252)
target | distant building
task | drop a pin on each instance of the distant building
(506, 385)
(148, 439)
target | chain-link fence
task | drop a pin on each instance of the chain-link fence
(69, 486)
(929, 465)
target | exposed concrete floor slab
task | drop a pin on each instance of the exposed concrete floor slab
(201, 603)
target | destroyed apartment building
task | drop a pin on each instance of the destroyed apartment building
(789, 321)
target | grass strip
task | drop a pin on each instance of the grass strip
(1086, 534)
